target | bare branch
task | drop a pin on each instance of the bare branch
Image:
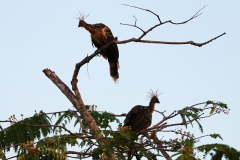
(12, 157)
(164, 42)
(194, 16)
(135, 20)
(87, 60)
(145, 10)
(139, 39)
(162, 113)
(8, 121)
(159, 144)
(80, 107)
(133, 26)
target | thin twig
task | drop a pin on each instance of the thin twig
(133, 26)
(12, 157)
(194, 16)
(79, 120)
(144, 10)
(162, 113)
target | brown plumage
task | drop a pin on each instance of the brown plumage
(140, 117)
(102, 35)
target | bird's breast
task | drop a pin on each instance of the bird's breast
(97, 38)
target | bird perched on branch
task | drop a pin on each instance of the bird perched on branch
(101, 35)
(139, 117)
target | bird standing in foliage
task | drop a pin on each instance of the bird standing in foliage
(139, 117)
(102, 35)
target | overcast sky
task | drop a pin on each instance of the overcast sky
(35, 35)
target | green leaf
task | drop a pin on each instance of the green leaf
(216, 136)
(212, 110)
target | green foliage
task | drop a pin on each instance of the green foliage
(186, 151)
(103, 119)
(30, 152)
(215, 136)
(218, 151)
(63, 119)
(119, 142)
(192, 114)
(58, 142)
(103, 151)
(25, 131)
(47, 148)
(217, 107)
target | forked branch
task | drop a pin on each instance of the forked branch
(139, 39)
(73, 99)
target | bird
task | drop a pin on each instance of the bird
(101, 35)
(139, 117)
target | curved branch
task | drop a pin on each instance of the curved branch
(133, 26)
(173, 43)
(144, 10)
(194, 16)
(87, 60)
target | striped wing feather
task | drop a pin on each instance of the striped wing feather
(139, 118)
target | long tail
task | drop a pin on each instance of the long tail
(114, 66)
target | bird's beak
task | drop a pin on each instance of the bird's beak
(157, 101)
(80, 24)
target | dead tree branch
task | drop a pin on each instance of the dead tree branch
(72, 98)
(86, 60)
(164, 42)
(139, 39)
(145, 10)
(159, 145)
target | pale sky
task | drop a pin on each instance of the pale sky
(35, 35)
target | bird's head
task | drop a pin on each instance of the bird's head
(81, 19)
(81, 23)
(155, 99)
(153, 96)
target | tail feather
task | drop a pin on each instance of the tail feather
(114, 66)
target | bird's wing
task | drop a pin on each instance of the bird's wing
(132, 112)
(95, 44)
(108, 37)
(139, 118)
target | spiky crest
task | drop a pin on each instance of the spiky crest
(152, 94)
(82, 16)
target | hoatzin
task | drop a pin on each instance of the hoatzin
(139, 117)
(102, 35)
